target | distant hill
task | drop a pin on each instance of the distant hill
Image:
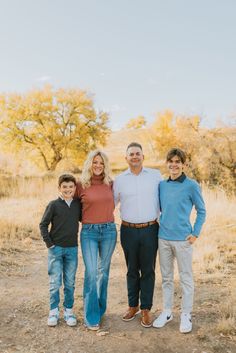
(119, 140)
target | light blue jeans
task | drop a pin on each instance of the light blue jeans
(62, 264)
(97, 243)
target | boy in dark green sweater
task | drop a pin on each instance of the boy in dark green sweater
(63, 215)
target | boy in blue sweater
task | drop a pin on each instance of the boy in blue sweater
(178, 195)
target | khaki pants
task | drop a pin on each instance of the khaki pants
(182, 251)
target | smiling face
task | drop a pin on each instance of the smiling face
(97, 165)
(175, 167)
(67, 190)
(134, 158)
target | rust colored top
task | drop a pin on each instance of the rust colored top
(97, 201)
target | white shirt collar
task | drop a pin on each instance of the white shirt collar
(128, 171)
(66, 201)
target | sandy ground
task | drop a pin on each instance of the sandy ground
(24, 310)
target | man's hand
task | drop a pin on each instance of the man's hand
(191, 239)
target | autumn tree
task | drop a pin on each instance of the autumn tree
(170, 130)
(211, 152)
(51, 125)
(219, 157)
(136, 123)
(163, 132)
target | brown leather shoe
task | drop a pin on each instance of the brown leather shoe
(130, 313)
(146, 319)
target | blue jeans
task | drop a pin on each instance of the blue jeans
(62, 263)
(97, 243)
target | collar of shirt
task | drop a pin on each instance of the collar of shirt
(180, 179)
(68, 202)
(128, 171)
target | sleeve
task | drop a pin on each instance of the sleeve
(44, 224)
(159, 195)
(199, 205)
(80, 210)
(160, 177)
(116, 192)
(78, 190)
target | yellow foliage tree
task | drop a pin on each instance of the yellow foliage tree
(163, 132)
(136, 123)
(170, 130)
(52, 125)
(219, 157)
(211, 152)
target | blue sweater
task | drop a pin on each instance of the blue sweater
(177, 200)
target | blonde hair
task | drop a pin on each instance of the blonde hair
(87, 169)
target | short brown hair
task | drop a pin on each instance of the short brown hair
(176, 152)
(134, 144)
(66, 178)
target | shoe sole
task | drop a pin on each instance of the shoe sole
(52, 325)
(133, 317)
(164, 324)
(144, 325)
(71, 325)
(92, 328)
(185, 331)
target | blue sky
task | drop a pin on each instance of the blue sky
(137, 57)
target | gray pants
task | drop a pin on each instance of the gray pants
(182, 251)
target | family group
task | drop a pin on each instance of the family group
(155, 216)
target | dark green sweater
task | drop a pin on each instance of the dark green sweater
(64, 221)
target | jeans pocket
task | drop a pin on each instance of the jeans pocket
(111, 227)
(87, 233)
(53, 249)
(86, 228)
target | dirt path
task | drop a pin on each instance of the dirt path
(24, 310)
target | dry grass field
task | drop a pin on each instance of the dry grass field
(24, 285)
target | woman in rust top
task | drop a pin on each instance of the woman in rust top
(98, 235)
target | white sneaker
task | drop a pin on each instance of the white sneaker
(185, 323)
(162, 319)
(92, 327)
(69, 317)
(53, 317)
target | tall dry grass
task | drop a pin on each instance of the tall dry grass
(23, 200)
(216, 248)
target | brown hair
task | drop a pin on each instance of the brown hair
(66, 178)
(134, 144)
(176, 152)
